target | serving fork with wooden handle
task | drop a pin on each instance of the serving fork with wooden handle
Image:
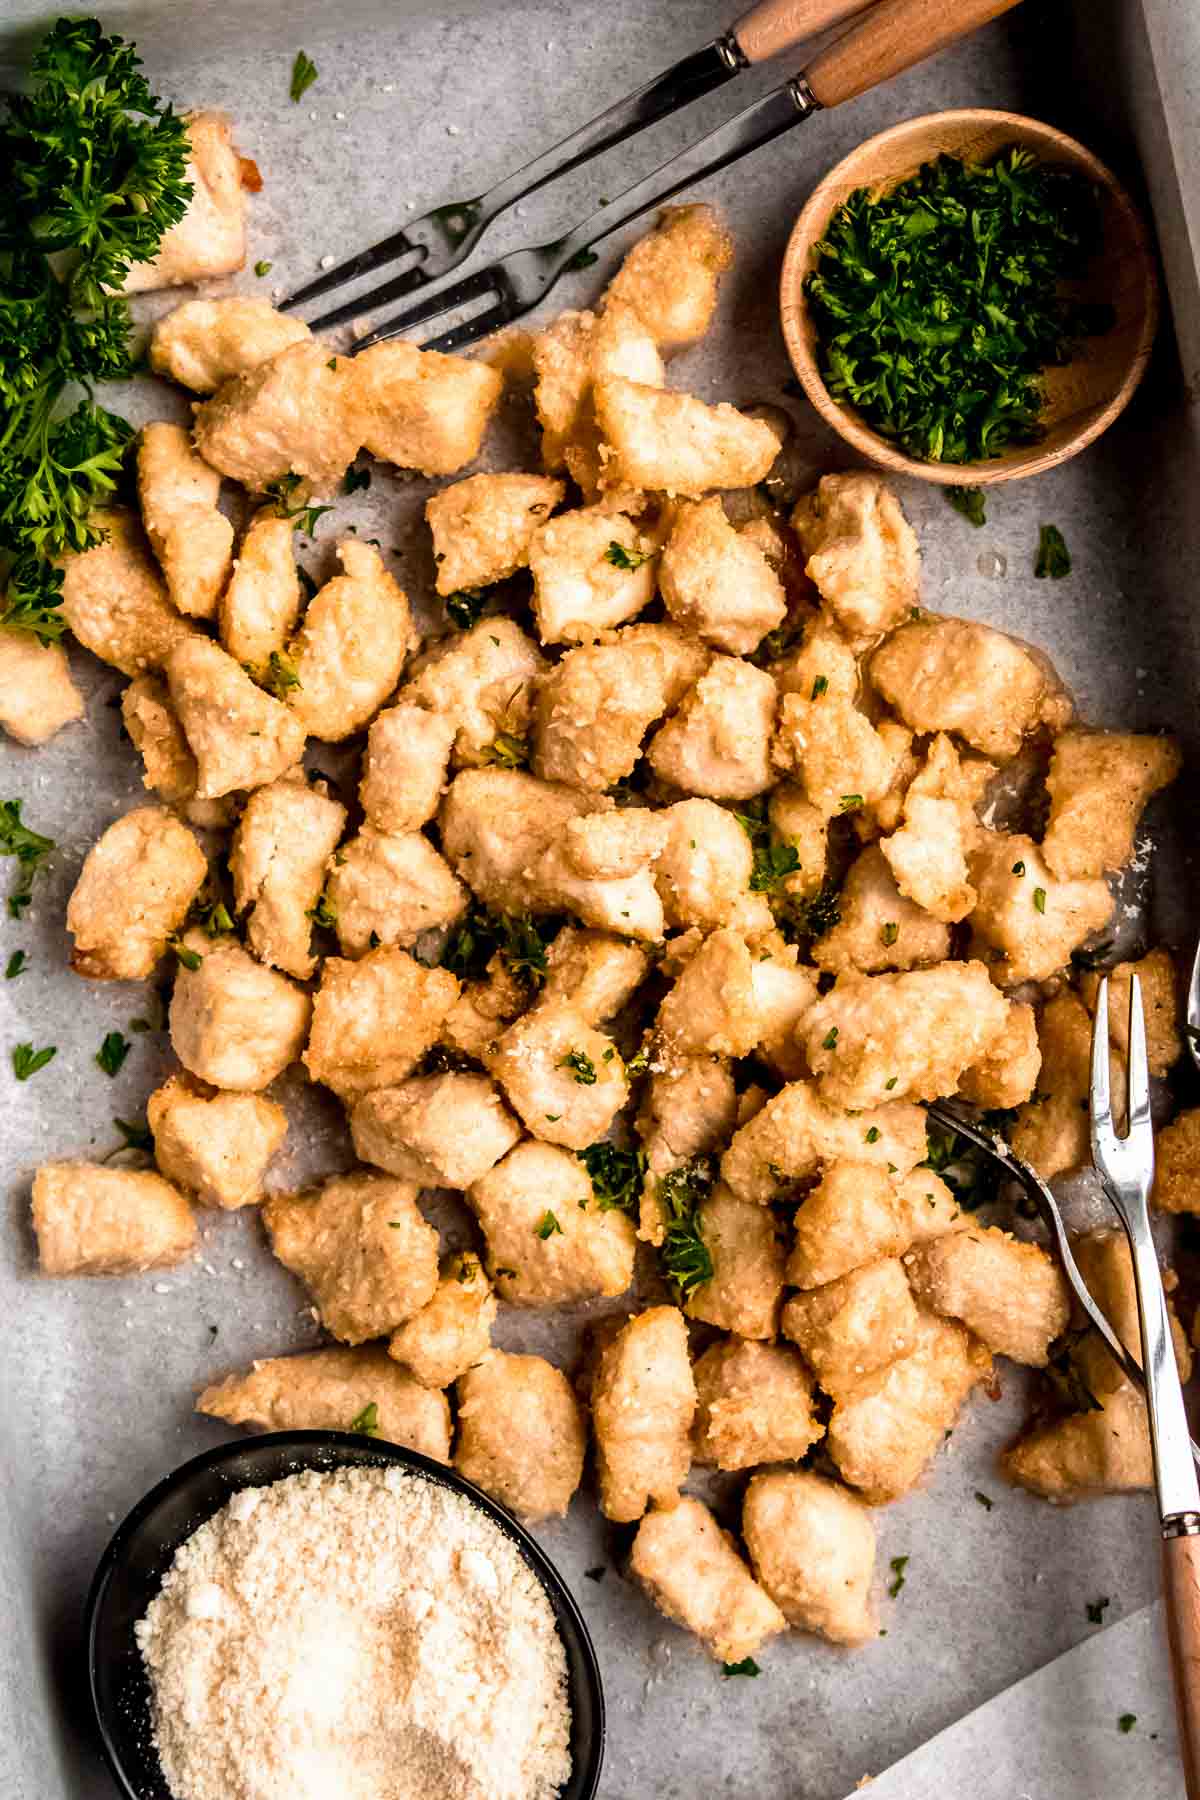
(883, 42)
(1126, 1169)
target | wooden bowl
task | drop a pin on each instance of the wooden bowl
(1083, 397)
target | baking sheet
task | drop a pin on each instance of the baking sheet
(95, 1404)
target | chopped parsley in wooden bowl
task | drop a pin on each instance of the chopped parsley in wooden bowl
(969, 296)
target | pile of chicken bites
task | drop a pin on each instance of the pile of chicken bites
(659, 911)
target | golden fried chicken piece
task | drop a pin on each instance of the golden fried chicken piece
(861, 552)
(960, 676)
(1177, 1175)
(240, 736)
(374, 1019)
(210, 239)
(1051, 1128)
(336, 1389)
(643, 1402)
(436, 1130)
(387, 888)
(261, 604)
(116, 602)
(858, 1212)
(423, 410)
(677, 444)
(281, 846)
(352, 644)
(742, 1293)
(1023, 916)
(1011, 1295)
(234, 1024)
(204, 343)
(481, 680)
(718, 742)
(1007, 1073)
(296, 415)
(191, 537)
(547, 1242)
(852, 1326)
(453, 1331)
(1160, 1007)
(133, 893)
(483, 527)
(812, 1546)
(670, 277)
(1099, 783)
(592, 570)
(692, 1571)
(93, 1220)
(796, 1132)
(217, 1146)
(877, 928)
(718, 582)
(754, 1405)
(37, 695)
(521, 1434)
(405, 766)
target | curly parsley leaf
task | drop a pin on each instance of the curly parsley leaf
(581, 1066)
(616, 1174)
(685, 1258)
(507, 751)
(547, 1226)
(1053, 558)
(366, 1423)
(304, 73)
(30, 849)
(621, 558)
(280, 677)
(112, 1052)
(33, 599)
(519, 941)
(968, 501)
(26, 1061)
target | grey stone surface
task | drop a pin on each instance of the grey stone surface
(96, 1396)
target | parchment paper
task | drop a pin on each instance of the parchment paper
(415, 107)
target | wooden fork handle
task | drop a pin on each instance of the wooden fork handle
(774, 26)
(893, 36)
(1181, 1595)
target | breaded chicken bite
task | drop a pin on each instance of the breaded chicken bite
(575, 350)
(688, 1108)
(593, 972)
(437, 1130)
(812, 1546)
(595, 707)
(877, 928)
(133, 892)
(643, 1403)
(719, 583)
(496, 824)
(857, 1213)
(676, 444)
(233, 1023)
(1051, 1130)
(592, 569)
(601, 870)
(422, 410)
(170, 769)
(1099, 783)
(703, 871)
(352, 644)
(388, 889)
(239, 736)
(547, 1243)
(842, 762)
(1160, 1007)
(754, 1405)
(483, 1008)
(960, 676)
(887, 1425)
(670, 276)
(204, 343)
(94, 1220)
(453, 1331)
(210, 239)
(1177, 1164)
(742, 1293)
(728, 999)
(332, 1390)
(1084, 1455)
(692, 1571)
(563, 1077)
(796, 1131)
(718, 744)
(373, 1020)
(405, 766)
(115, 600)
(261, 604)
(297, 414)
(1031, 921)
(1006, 1075)
(216, 1146)
(928, 854)
(361, 1248)
(854, 1325)
(191, 537)
(284, 839)
(1011, 1295)
(482, 527)
(521, 1434)
(907, 1036)
(861, 552)
(481, 680)
(37, 695)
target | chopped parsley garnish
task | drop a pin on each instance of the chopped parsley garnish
(938, 307)
(263, 268)
(772, 862)
(324, 913)
(112, 1052)
(1018, 868)
(898, 1565)
(26, 1061)
(280, 677)
(829, 1042)
(15, 966)
(800, 920)
(1126, 1723)
(356, 480)
(507, 751)
(465, 607)
(1053, 557)
(621, 558)
(303, 516)
(547, 1225)
(985, 1500)
(969, 502)
(366, 1423)
(581, 1066)
(213, 916)
(304, 73)
(889, 933)
(467, 1271)
(747, 1666)
(617, 1176)
(684, 1256)
(189, 958)
(30, 849)
(1096, 1609)
(1039, 899)
(820, 686)
(872, 1134)
(515, 937)
(850, 803)
(33, 600)
(137, 1137)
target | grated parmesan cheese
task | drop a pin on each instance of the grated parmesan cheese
(366, 1634)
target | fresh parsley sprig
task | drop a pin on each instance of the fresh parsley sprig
(30, 849)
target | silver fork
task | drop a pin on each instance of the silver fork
(1126, 1169)
(889, 38)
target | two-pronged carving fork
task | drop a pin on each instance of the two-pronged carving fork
(888, 39)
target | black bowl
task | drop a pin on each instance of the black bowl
(132, 1568)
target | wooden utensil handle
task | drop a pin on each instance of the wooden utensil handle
(774, 26)
(894, 35)
(1181, 1594)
